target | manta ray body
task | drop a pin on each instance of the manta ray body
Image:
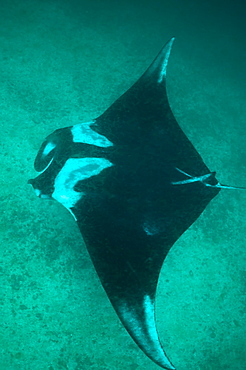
(134, 183)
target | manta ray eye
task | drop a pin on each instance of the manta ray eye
(45, 156)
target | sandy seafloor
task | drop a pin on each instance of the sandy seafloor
(65, 62)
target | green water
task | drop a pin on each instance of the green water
(65, 62)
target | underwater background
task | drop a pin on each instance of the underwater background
(64, 62)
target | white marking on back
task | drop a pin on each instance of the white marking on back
(82, 133)
(150, 229)
(73, 171)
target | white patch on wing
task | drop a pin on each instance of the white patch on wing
(142, 327)
(147, 320)
(163, 71)
(150, 317)
(82, 133)
(139, 328)
(73, 171)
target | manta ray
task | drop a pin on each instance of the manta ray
(134, 184)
